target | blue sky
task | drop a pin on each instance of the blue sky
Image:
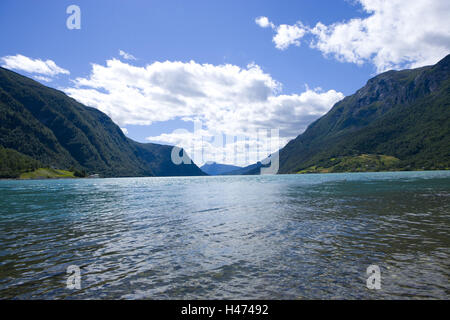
(219, 33)
(213, 32)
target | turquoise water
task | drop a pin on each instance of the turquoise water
(269, 237)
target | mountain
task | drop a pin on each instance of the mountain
(47, 126)
(215, 169)
(13, 163)
(400, 114)
(400, 120)
(253, 169)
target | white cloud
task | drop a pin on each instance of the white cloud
(264, 22)
(126, 56)
(286, 35)
(124, 130)
(396, 34)
(225, 98)
(41, 78)
(36, 66)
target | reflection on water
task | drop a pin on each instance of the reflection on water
(269, 237)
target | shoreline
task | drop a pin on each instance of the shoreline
(279, 174)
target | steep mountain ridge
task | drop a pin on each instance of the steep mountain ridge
(56, 130)
(404, 114)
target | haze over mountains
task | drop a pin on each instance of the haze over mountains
(215, 168)
(400, 120)
(44, 127)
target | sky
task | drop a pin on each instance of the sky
(230, 81)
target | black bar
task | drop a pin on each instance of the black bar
(228, 309)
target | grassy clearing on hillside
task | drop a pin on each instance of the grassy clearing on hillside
(47, 173)
(361, 163)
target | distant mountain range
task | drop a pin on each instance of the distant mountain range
(400, 120)
(215, 169)
(41, 126)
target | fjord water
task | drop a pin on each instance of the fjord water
(271, 237)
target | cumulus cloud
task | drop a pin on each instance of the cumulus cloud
(126, 56)
(285, 35)
(395, 34)
(288, 35)
(46, 68)
(226, 99)
(124, 130)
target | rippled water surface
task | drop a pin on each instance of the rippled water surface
(270, 237)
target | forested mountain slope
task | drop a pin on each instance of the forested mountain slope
(57, 131)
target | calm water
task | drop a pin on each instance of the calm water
(272, 237)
